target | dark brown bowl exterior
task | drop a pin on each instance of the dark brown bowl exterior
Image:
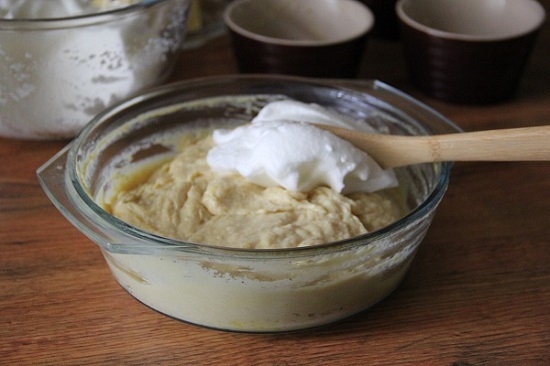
(339, 60)
(386, 25)
(466, 72)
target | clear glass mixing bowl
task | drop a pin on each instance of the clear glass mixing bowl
(56, 74)
(239, 289)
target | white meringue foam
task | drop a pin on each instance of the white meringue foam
(281, 148)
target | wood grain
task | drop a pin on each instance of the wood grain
(478, 291)
(507, 144)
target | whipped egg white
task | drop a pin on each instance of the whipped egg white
(280, 147)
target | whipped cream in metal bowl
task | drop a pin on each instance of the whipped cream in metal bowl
(64, 61)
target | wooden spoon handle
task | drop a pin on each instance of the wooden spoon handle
(527, 143)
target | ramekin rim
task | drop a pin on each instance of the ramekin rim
(433, 32)
(295, 43)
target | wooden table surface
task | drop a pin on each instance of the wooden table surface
(478, 291)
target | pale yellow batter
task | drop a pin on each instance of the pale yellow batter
(184, 199)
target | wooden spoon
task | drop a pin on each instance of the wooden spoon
(390, 151)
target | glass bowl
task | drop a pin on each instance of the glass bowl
(56, 74)
(242, 289)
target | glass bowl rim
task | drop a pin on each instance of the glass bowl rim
(16, 24)
(159, 242)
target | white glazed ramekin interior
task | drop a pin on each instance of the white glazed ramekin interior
(299, 23)
(488, 20)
